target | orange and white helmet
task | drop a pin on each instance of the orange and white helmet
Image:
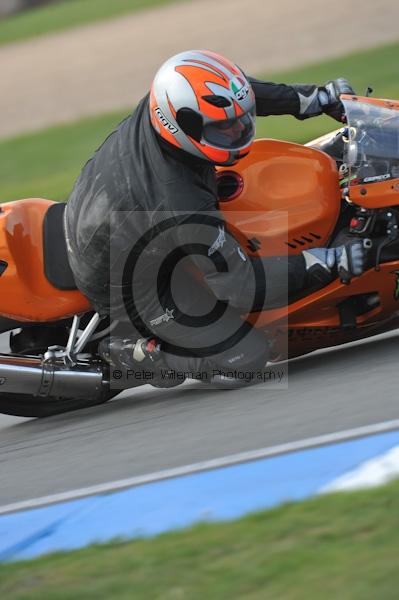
(202, 103)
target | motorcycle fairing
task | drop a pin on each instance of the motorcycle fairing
(26, 295)
(304, 182)
(314, 322)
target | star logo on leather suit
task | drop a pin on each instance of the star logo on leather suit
(167, 316)
(219, 242)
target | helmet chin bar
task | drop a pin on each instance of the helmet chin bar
(235, 157)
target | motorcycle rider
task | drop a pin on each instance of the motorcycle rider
(158, 167)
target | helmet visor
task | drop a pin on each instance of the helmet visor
(231, 134)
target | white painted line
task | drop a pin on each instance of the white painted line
(372, 473)
(225, 461)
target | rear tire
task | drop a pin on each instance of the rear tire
(23, 405)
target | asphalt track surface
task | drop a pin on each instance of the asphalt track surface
(149, 430)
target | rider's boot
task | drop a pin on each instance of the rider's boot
(144, 354)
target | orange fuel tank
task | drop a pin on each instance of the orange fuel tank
(284, 195)
(25, 293)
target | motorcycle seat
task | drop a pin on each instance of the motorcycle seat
(55, 254)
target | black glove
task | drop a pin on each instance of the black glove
(325, 264)
(329, 97)
(314, 100)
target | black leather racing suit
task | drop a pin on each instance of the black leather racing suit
(135, 185)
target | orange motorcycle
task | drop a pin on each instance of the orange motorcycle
(343, 184)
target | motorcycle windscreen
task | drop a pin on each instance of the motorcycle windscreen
(371, 151)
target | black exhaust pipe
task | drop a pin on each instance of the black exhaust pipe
(34, 376)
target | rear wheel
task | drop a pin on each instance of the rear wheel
(37, 338)
(20, 405)
(34, 341)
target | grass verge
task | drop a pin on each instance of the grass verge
(339, 546)
(46, 163)
(65, 15)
